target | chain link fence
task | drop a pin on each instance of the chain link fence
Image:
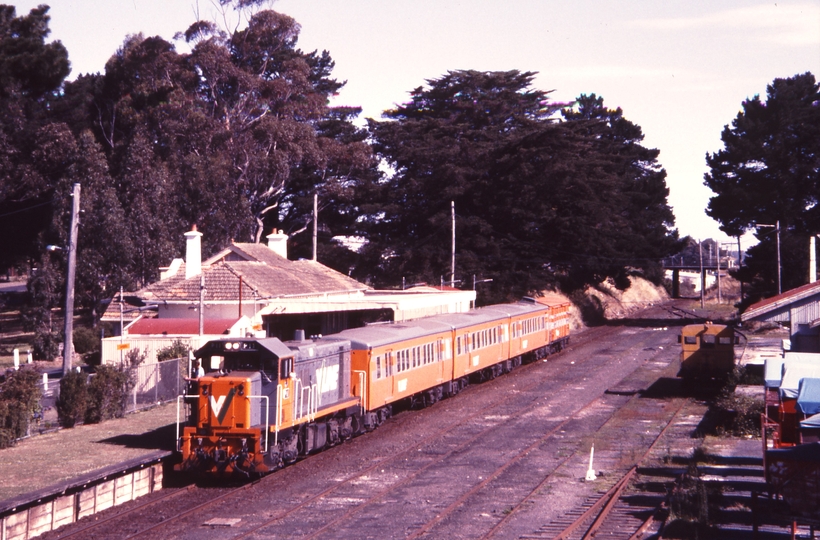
(154, 383)
(157, 382)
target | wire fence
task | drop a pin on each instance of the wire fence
(154, 383)
(157, 382)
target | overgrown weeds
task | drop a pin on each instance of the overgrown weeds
(735, 414)
(693, 503)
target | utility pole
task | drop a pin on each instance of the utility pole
(776, 230)
(315, 223)
(68, 343)
(720, 295)
(702, 277)
(453, 246)
(122, 327)
(201, 306)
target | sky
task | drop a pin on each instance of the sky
(680, 69)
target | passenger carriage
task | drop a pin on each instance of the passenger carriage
(263, 403)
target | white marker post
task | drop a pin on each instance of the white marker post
(16, 359)
(45, 383)
(591, 472)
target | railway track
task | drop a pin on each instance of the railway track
(352, 498)
(278, 516)
(609, 515)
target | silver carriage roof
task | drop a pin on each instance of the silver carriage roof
(379, 335)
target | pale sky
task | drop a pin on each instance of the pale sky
(679, 69)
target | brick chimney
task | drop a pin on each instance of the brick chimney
(193, 253)
(278, 243)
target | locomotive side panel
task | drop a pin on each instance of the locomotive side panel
(323, 366)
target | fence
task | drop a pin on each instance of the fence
(157, 382)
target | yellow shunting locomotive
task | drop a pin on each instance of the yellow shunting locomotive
(264, 403)
(707, 351)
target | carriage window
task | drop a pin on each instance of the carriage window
(458, 345)
(378, 367)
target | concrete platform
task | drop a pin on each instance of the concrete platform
(51, 462)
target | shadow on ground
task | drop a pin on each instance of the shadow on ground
(162, 438)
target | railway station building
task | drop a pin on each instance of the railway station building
(798, 310)
(255, 290)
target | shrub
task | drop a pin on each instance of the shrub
(46, 343)
(135, 357)
(20, 395)
(86, 340)
(693, 505)
(108, 393)
(738, 415)
(176, 350)
(73, 400)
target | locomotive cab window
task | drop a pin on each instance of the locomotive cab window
(707, 340)
(216, 363)
(286, 365)
(690, 340)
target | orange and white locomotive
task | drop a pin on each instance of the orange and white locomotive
(264, 403)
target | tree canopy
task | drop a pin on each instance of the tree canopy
(31, 72)
(234, 137)
(539, 201)
(237, 136)
(769, 172)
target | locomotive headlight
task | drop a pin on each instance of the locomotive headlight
(204, 389)
(241, 389)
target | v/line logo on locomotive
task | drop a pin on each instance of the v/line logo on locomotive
(264, 403)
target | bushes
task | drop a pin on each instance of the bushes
(176, 350)
(693, 504)
(108, 393)
(73, 400)
(20, 395)
(86, 340)
(104, 397)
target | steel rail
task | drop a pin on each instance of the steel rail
(584, 338)
(613, 495)
(396, 457)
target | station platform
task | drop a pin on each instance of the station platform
(52, 462)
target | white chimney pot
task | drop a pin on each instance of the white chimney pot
(193, 253)
(278, 243)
